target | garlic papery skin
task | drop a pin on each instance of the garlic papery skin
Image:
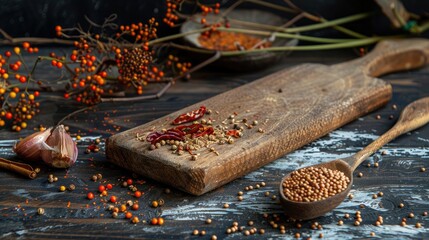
(30, 148)
(60, 150)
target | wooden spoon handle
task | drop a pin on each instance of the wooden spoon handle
(415, 115)
(391, 56)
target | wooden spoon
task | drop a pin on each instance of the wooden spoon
(415, 115)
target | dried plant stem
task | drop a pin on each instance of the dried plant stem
(348, 44)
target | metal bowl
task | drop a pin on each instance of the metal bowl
(249, 61)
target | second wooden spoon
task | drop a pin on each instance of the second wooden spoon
(415, 115)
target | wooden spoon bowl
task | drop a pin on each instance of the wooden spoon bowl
(309, 210)
(415, 115)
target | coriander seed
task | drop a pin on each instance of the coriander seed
(40, 211)
(411, 215)
(422, 169)
(340, 222)
(418, 225)
(208, 221)
(401, 205)
(195, 232)
(240, 193)
(225, 205)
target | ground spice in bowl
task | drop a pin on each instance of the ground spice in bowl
(314, 184)
(230, 41)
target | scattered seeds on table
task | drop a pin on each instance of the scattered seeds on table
(195, 232)
(418, 225)
(411, 215)
(40, 211)
(422, 169)
(225, 205)
(360, 174)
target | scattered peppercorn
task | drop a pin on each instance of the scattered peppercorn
(71, 187)
(94, 178)
(137, 194)
(40, 211)
(90, 196)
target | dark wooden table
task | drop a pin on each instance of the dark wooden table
(70, 214)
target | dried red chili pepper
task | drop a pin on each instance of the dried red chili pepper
(190, 116)
(233, 133)
(171, 134)
(204, 131)
(189, 129)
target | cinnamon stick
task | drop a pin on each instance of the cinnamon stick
(21, 168)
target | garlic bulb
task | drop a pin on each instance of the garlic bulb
(59, 149)
(30, 148)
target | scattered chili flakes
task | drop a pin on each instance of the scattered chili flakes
(193, 138)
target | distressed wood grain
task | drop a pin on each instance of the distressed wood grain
(313, 101)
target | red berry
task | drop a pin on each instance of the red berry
(9, 115)
(22, 79)
(103, 74)
(54, 63)
(26, 45)
(113, 199)
(36, 93)
(59, 64)
(73, 57)
(109, 186)
(90, 195)
(137, 194)
(101, 188)
(14, 67)
(130, 181)
(66, 95)
(58, 28)
(8, 53)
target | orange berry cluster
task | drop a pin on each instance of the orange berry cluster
(15, 110)
(171, 17)
(88, 82)
(140, 33)
(176, 65)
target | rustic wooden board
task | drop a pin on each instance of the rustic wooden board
(314, 100)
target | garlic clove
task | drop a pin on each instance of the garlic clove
(59, 149)
(30, 147)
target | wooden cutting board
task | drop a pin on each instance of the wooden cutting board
(293, 107)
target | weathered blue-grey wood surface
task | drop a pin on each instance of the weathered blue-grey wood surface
(398, 175)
